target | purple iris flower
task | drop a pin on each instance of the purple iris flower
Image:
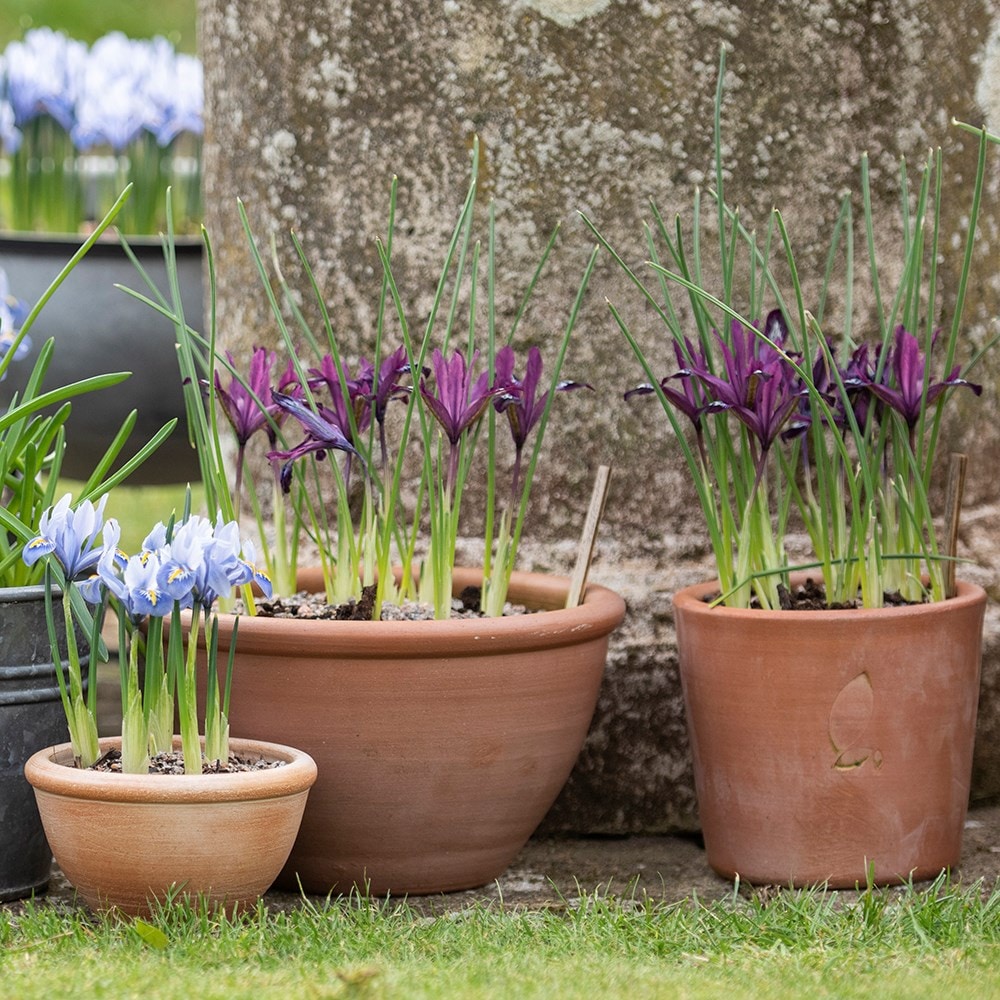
(246, 403)
(322, 434)
(520, 399)
(905, 391)
(382, 391)
(70, 535)
(759, 387)
(523, 406)
(460, 402)
(857, 375)
(388, 388)
(690, 400)
(462, 397)
(358, 394)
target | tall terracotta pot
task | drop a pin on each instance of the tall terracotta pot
(126, 840)
(440, 744)
(828, 744)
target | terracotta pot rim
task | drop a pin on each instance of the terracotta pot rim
(600, 613)
(691, 599)
(46, 772)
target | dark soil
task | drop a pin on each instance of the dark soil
(173, 763)
(811, 596)
(314, 606)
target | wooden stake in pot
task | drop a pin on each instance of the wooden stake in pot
(588, 538)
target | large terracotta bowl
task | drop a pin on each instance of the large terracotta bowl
(440, 744)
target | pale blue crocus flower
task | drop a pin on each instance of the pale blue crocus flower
(111, 112)
(70, 535)
(252, 572)
(175, 86)
(43, 73)
(13, 312)
(114, 106)
(139, 590)
(156, 539)
(10, 134)
(203, 561)
(8, 334)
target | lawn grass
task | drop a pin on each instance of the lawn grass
(87, 20)
(941, 940)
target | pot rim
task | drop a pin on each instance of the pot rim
(29, 592)
(691, 601)
(45, 244)
(601, 611)
(47, 772)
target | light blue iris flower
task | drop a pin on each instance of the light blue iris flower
(13, 312)
(204, 560)
(70, 535)
(130, 579)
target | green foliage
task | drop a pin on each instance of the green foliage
(33, 438)
(938, 940)
(788, 415)
(358, 543)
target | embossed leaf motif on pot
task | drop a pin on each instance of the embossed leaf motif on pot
(850, 722)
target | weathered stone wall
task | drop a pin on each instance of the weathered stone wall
(595, 106)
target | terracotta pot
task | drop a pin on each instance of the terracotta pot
(125, 839)
(825, 742)
(440, 744)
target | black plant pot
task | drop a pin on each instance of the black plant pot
(99, 328)
(31, 718)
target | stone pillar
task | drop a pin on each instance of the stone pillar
(594, 106)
